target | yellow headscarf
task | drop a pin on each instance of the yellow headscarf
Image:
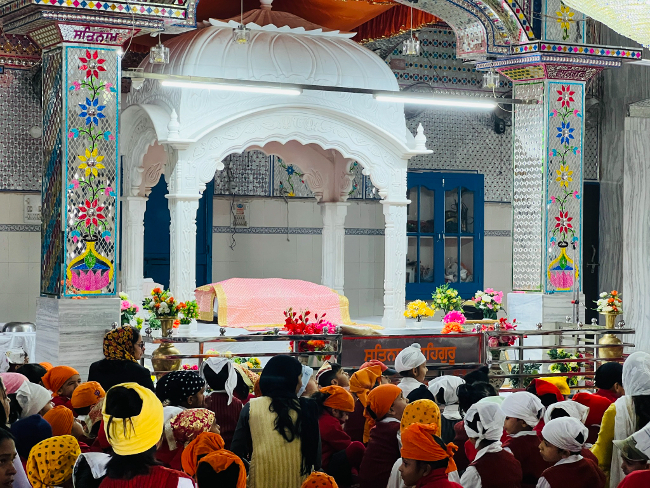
(51, 461)
(560, 382)
(421, 412)
(135, 434)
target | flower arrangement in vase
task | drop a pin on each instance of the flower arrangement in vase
(489, 302)
(572, 367)
(454, 321)
(446, 299)
(251, 363)
(163, 309)
(128, 309)
(610, 304)
(418, 309)
(299, 324)
(502, 340)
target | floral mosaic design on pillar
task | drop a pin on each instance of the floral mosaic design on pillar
(91, 122)
(564, 185)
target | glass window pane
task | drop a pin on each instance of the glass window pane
(411, 260)
(451, 211)
(467, 211)
(451, 259)
(467, 259)
(426, 259)
(426, 210)
(412, 210)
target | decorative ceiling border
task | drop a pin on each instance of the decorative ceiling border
(584, 49)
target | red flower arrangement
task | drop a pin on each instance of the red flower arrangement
(299, 324)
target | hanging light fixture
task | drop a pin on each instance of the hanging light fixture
(159, 54)
(241, 34)
(490, 79)
(411, 46)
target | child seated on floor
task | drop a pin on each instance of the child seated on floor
(386, 404)
(493, 466)
(523, 412)
(445, 393)
(332, 374)
(361, 383)
(341, 457)
(222, 468)
(562, 440)
(569, 408)
(222, 377)
(84, 398)
(635, 459)
(63, 422)
(62, 382)
(426, 459)
(411, 364)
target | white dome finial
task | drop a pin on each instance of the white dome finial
(420, 139)
(266, 4)
(173, 126)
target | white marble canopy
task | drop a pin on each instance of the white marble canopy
(198, 128)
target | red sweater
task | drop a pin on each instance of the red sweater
(227, 415)
(581, 474)
(525, 449)
(356, 422)
(499, 470)
(380, 455)
(158, 477)
(332, 437)
(460, 439)
(437, 479)
(636, 479)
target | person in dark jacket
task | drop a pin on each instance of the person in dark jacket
(123, 347)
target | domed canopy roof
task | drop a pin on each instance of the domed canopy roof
(290, 53)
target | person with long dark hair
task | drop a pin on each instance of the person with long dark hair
(278, 432)
(17, 471)
(123, 347)
(133, 421)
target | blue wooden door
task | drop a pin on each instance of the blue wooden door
(445, 233)
(156, 236)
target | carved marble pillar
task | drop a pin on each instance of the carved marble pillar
(333, 264)
(182, 251)
(133, 248)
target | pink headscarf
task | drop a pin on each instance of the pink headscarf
(12, 381)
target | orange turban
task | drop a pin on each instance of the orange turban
(61, 419)
(421, 412)
(420, 442)
(205, 443)
(339, 398)
(380, 400)
(319, 480)
(55, 378)
(46, 365)
(221, 460)
(87, 394)
(363, 381)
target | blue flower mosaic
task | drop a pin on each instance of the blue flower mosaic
(565, 133)
(92, 111)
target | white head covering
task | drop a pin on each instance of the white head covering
(484, 421)
(566, 433)
(525, 406)
(574, 409)
(642, 438)
(636, 374)
(32, 398)
(216, 365)
(306, 375)
(450, 385)
(409, 358)
(492, 399)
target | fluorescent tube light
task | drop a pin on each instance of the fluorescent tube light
(437, 101)
(230, 87)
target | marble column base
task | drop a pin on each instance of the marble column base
(71, 332)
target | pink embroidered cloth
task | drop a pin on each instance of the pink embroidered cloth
(260, 303)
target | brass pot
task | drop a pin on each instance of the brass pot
(496, 371)
(615, 351)
(166, 349)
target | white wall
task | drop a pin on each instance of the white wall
(497, 270)
(19, 262)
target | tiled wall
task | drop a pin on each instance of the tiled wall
(19, 261)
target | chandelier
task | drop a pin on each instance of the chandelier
(630, 18)
(411, 46)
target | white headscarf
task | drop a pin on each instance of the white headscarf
(636, 374)
(525, 406)
(32, 398)
(574, 409)
(306, 375)
(642, 438)
(484, 421)
(566, 433)
(409, 358)
(450, 385)
(216, 365)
